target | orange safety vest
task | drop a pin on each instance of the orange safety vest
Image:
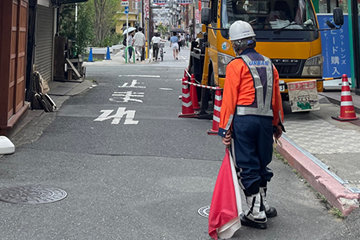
(251, 88)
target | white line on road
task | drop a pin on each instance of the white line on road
(149, 76)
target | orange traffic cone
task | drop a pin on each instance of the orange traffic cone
(216, 118)
(347, 110)
(187, 108)
(193, 94)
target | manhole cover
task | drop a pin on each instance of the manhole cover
(31, 194)
(204, 211)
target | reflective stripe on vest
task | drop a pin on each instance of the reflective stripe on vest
(263, 107)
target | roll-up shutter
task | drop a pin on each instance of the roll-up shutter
(44, 41)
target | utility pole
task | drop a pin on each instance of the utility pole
(194, 19)
(147, 30)
(76, 19)
(141, 14)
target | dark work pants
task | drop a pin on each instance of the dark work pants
(155, 51)
(253, 143)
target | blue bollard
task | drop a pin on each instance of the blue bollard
(90, 58)
(108, 54)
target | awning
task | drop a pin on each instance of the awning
(72, 1)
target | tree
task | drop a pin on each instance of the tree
(95, 26)
(162, 29)
(106, 14)
(82, 31)
(85, 26)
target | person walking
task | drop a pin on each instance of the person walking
(130, 43)
(139, 43)
(175, 46)
(179, 41)
(155, 44)
(251, 115)
(182, 40)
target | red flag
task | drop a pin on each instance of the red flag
(225, 205)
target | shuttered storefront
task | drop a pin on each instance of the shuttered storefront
(44, 41)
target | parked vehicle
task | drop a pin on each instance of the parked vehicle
(287, 31)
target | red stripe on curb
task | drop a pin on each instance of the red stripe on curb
(334, 192)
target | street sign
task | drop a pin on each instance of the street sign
(335, 48)
(184, 2)
(159, 2)
(124, 3)
(126, 9)
(146, 9)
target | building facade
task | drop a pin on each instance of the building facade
(13, 46)
(134, 16)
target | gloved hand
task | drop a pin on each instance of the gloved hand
(227, 139)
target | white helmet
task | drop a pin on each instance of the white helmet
(240, 30)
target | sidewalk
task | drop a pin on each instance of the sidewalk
(116, 59)
(59, 93)
(325, 151)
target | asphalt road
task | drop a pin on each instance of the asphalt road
(142, 172)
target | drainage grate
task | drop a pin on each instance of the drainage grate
(204, 211)
(32, 194)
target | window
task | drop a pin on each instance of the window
(214, 10)
(269, 14)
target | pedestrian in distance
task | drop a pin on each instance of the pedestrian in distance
(175, 46)
(179, 41)
(251, 117)
(139, 43)
(155, 44)
(130, 43)
(182, 40)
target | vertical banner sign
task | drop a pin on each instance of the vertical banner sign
(197, 16)
(303, 96)
(184, 2)
(335, 48)
(146, 9)
(160, 2)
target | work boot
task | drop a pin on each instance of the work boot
(254, 217)
(269, 211)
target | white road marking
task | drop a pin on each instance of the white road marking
(166, 89)
(132, 85)
(129, 119)
(126, 96)
(146, 76)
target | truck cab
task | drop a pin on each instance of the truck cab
(287, 32)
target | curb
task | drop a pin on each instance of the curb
(337, 195)
(337, 101)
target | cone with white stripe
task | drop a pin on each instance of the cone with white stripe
(187, 108)
(216, 117)
(347, 110)
(185, 75)
(193, 94)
